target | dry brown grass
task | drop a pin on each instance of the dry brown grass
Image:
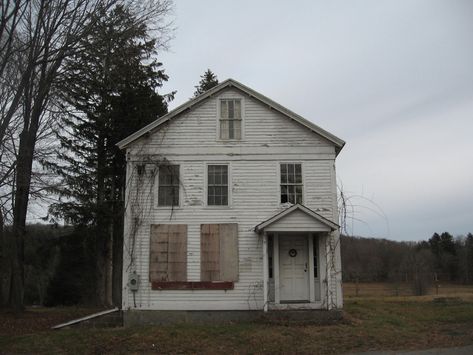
(378, 289)
(373, 323)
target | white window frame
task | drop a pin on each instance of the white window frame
(303, 180)
(206, 185)
(156, 189)
(219, 110)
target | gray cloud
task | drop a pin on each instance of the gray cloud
(392, 78)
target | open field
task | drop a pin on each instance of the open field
(370, 324)
(379, 289)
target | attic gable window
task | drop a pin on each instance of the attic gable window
(168, 185)
(230, 119)
(291, 183)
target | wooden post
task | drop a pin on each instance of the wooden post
(265, 272)
(310, 237)
(356, 287)
(328, 276)
(277, 297)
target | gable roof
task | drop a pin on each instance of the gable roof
(287, 212)
(252, 93)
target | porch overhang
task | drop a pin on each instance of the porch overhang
(296, 218)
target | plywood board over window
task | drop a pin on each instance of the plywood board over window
(168, 252)
(219, 252)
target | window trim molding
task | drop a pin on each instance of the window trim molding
(228, 96)
(303, 179)
(206, 185)
(156, 190)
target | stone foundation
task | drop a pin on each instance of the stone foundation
(318, 317)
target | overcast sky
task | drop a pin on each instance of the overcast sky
(394, 79)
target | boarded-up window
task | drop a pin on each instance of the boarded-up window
(168, 252)
(219, 252)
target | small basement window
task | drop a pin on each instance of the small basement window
(230, 119)
(291, 183)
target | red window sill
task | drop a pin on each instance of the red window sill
(192, 285)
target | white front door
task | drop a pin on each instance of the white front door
(293, 268)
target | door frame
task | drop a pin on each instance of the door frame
(276, 265)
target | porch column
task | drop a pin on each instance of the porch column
(265, 272)
(277, 297)
(328, 272)
(311, 268)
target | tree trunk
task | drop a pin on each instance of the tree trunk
(103, 242)
(117, 251)
(23, 184)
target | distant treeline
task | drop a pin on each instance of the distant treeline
(60, 263)
(442, 257)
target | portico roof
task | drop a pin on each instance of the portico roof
(297, 218)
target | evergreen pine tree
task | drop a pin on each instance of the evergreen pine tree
(109, 92)
(207, 81)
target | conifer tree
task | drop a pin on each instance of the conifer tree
(109, 91)
(207, 81)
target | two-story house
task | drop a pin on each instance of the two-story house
(231, 205)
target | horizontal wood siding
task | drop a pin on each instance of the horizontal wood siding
(268, 139)
(262, 128)
(298, 221)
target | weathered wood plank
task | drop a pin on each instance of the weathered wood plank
(229, 252)
(177, 252)
(193, 285)
(168, 252)
(210, 252)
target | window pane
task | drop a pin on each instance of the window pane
(230, 109)
(237, 129)
(231, 132)
(230, 119)
(223, 129)
(168, 185)
(284, 198)
(223, 109)
(237, 109)
(217, 185)
(290, 173)
(211, 200)
(298, 179)
(291, 183)
(283, 174)
(175, 196)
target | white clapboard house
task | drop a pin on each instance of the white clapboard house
(231, 204)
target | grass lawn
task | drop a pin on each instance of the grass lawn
(370, 324)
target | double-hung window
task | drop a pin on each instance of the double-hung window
(168, 185)
(230, 119)
(291, 183)
(217, 185)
